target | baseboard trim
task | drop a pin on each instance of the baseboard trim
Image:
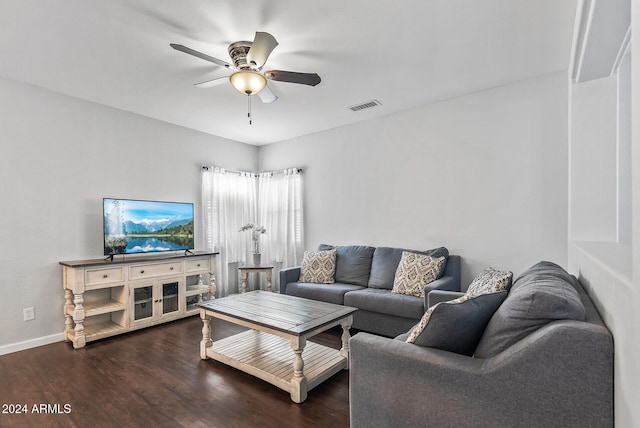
(31, 343)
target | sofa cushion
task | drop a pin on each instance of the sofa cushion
(544, 271)
(386, 260)
(543, 293)
(318, 267)
(386, 302)
(456, 325)
(490, 281)
(331, 293)
(414, 272)
(353, 263)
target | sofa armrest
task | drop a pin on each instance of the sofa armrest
(444, 283)
(560, 375)
(390, 381)
(288, 275)
(449, 281)
(437, 296)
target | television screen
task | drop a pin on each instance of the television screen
(132, 226)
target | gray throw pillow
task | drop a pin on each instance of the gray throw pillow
(542, 294)
(353, 263)
(386, 260)
(456, 325)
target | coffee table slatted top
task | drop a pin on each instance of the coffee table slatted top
(293, 315)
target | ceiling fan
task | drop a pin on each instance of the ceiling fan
(249, 59)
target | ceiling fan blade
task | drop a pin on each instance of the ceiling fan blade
(201, 55)
(267, 96)
(263, 44)
(311, 79)
(213, 82)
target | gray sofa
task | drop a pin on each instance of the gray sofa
(364, 279)
(545, 359)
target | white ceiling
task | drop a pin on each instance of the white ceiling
(403, 54)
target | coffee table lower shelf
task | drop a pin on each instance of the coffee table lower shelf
(271, 358)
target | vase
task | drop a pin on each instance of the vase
(257, 258)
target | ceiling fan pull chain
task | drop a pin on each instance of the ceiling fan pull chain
(249, 108)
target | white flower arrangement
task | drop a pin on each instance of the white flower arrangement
(256, 231)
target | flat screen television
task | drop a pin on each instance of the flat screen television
(133, 226)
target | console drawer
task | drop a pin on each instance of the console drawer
(199, 265)
(157, 269)
(95, 278)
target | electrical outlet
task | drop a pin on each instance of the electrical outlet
(29, 313)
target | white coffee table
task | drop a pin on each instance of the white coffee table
(275, 349)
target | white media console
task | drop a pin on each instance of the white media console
(104, 298)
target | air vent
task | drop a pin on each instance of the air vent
(363, 106)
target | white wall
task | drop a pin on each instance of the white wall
(59, 156)
(594, 160)
(484, 175)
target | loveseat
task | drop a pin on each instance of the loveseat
(364, 278)
(545, 359)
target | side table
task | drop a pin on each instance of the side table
(244, 273)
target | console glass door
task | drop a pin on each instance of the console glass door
(142, 302)
(169, 298)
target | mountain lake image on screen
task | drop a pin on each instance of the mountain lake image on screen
(134, 226)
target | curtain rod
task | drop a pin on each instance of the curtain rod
(225, 170)
(230, 171)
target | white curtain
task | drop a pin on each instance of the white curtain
(231, 200)
(280, 211)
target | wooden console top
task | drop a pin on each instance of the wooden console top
(135, 258)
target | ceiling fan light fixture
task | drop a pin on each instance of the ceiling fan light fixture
(248, 82)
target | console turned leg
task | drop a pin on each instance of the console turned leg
(68, 318)
(79, 339)
(299, 380)
(344, 351)
(212, 284)
(206, 341)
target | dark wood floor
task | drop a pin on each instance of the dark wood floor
(155, 378)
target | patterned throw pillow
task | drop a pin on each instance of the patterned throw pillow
(490, 280)
(318, 267)
(414, 272)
